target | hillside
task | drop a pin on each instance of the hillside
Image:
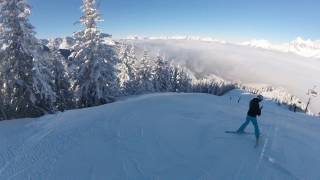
(161, 136)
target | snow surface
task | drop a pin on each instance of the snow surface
(161, 136)
(241, 63)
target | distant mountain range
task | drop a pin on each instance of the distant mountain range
(299, 46)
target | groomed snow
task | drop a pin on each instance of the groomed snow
(161, 136)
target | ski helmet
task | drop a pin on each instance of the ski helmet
(260, 97)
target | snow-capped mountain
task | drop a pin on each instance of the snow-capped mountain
(299, 46)
(191, 38)
(265, 44)
(306, 48)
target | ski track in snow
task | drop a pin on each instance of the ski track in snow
(158, 137)
(270, 137)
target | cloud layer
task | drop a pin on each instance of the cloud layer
(242, 63)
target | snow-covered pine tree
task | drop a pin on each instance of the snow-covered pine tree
(94, 74)
(26, 88)
(181, 82)
(61, 81)
(175, 78)
(163, 75)
(128, 70)
(145, 74)
(212, 85)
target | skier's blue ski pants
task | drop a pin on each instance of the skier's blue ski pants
(255, 125)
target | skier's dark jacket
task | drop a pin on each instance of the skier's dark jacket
(254, 109)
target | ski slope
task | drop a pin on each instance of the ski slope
(162, 137)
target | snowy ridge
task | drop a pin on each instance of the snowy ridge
(264, 44)
(138, 139)
(299, 46)
(191, 38)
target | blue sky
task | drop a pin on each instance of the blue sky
(275, 20)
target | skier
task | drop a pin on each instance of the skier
(254, 111)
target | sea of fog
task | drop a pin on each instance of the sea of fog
(242, 63)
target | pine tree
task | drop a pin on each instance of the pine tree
(94, 74)
(128, 70)
(26, 89)
(61, 81)
(181, 82)
(145, 74)
(163, 75)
